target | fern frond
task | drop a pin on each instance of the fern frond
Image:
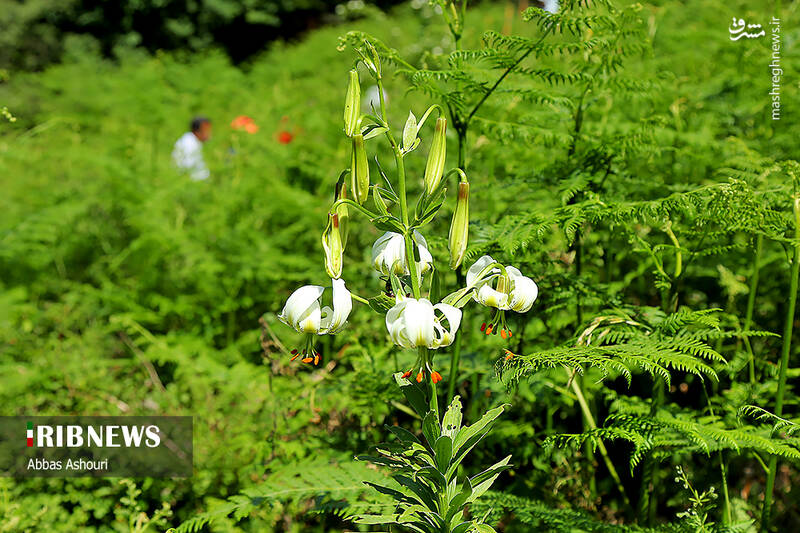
(538, 516)
(779, 424)
(335, 487)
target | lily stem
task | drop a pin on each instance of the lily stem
(358, 298)
(401, 183)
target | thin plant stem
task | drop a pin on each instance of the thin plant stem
(434, 400)
(751, 300)
(589, 418)
(726, 511)
(784, 364)
(727, 519)
(508, 71)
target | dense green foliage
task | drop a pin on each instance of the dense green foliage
(34, 34)
(627, 162)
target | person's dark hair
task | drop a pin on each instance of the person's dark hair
(197, 122)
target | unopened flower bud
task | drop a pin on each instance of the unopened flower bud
(359, 170)
(332, 244)
(436, 157)
(352, 104)
(459, 227)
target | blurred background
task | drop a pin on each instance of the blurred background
(126, 288)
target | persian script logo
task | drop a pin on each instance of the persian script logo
(110, 436)
(737, 30)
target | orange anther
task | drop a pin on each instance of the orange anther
(419, 377)
(307, 359)
(436, 377)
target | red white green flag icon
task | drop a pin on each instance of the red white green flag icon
(30, 435)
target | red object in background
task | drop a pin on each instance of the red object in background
(285, 137)
(243, 122)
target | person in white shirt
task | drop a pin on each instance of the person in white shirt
(188, 152)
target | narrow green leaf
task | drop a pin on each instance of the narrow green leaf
(451, 423)
(431, 429)
(443, 451)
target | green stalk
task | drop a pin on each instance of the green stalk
(401, 181)
(787, 344)
(455, 353)
(434, 400)
(727, 519)
(589, 419)
(751, 300)
(723, 468)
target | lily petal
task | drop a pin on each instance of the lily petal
(474, 277)
(309, 322)
(490, 297)
(389, 254)
(342, 305)
(395, 325)
(453, 316)
(418, 318)
(524, 291)
(299, 305)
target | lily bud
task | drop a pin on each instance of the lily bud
(459, 227)
(332, 244)
(352, 104)
(343, 212)
(436, 157)
(359, 170)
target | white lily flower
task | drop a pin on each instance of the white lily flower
(303, 312)
(504, 291)
(389, 254)
(416, 323)
(509, 291)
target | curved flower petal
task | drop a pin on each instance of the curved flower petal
(524, 291)
(342, 305)
(387, 251)
(453, 316)
(300, 305)
(425, 257)
(418, 319)
(309, 322)
(389, 254)
(474, 277)
(490, 297)
(396, 326)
